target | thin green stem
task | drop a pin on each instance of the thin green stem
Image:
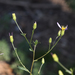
(40, 69)
(18, 27)
(18, 57)
(23, 34)
(33, 60)
(72, 73)
(48, 50)
(27, 41)
(65, 68)
(32, 36)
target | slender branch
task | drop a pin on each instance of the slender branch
(19, 58)
(48, 50)
(33, 60)
(40, 69)
(65, 68)
(28, 41)
(23, 34)
(18, 27)
(32, 36)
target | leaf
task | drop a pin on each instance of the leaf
(35, 42)
(30, 49)
(23, 69)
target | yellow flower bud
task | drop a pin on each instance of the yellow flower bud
(71, 70)
(35, 25)
(14, 16)
(43, 60)
(50, 40)
(60, 72)
(11, 38)
(59, 32)
(62, 32)
(55, 57)
(38, 72)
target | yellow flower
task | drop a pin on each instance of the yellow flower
(50, 40)
(55, 58)
(14, 16)
(43, 60)
(11, 38)
(59, 32)
(62, 27)
(62, 32)
(34, 25)
(60, 72)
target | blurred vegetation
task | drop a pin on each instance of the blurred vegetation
(22, 50)
(71, 3)
(4, 48)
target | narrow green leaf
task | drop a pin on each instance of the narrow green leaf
(30, 49)
(23, 69)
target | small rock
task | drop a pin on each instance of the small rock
(5, 69)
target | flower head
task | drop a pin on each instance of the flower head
(50, 40)
(11, 37)
(34, 25)
(60, 72)
(55, 57)
(43, 60)
(14, 16)
(62, 27)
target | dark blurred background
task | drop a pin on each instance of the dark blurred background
(46, 13)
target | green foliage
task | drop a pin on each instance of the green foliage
(71, 4)
(4, 48)
(23, 69)
(23, 52)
